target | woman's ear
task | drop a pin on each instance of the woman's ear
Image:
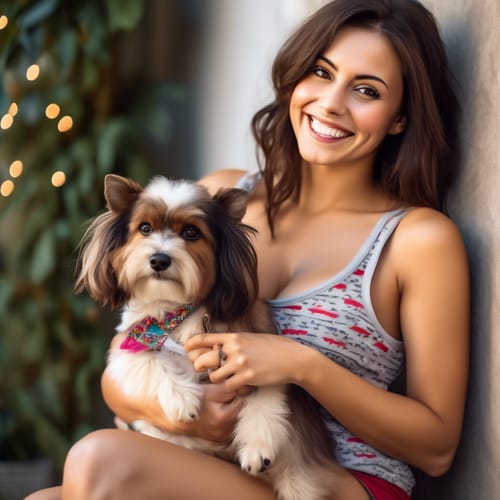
(398, 125)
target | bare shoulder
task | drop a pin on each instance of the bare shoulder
(427, 228)
(426, 236)
(221, 178)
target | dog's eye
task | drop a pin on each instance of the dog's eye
(145, 229)
(191, 233)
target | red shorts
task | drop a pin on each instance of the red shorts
(379, 488)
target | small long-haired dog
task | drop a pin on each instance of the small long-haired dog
(170, 256)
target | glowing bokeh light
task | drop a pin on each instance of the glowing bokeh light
(6, 188)
(65, 123)
(16, 168)
(33, 72)
(52, 111)
(13, 109)
(58, 179)
(4, 20)
(6, 121)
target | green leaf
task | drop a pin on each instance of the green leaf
(32, 40)
(51, 440)
(108, 142)
(35, 343)
(6, 290)
(43, 257)
(124, 14)
(39, 11)
(90, 76)
(67, 49)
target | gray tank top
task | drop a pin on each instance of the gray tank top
(337, 318)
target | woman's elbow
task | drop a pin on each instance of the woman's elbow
(439, 462)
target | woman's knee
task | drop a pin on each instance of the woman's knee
(93, 468)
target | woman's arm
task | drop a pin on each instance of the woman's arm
(422, 427)
(218, 413)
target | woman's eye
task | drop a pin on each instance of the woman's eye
(145, 228)
(191, 233)
(321, 72)
(368, 92)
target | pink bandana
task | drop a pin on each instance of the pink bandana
(152, 334)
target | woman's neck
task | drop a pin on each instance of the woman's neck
(326, 188)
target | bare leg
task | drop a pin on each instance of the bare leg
(114, 464)
(47, 494)
(123, 465)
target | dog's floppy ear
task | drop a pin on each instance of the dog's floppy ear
(236, 286)
(120, 193)
(233, 202)
(106, 233)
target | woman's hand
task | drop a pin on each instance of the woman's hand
(246, 359)
(216, 419)
(218, 414)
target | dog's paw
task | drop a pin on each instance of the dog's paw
(183, 406)
(255, 459)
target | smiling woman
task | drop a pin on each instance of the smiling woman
(350, 101)
(355, 258)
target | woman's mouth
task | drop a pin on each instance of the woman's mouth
(325, 131)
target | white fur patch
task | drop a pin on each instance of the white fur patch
(262, 429)
(174, 193)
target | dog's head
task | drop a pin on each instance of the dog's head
(170, 241)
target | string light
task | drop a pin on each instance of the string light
(32, 72)
(65, 123)
(52, 111)
(4, 20)
(58, 179)
(13, 109)
(6, 188)
(16, 168)
(6, 121)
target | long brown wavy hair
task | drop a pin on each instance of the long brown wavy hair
(417, 166)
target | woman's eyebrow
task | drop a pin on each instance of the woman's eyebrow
(358, 77)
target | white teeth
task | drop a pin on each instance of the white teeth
(322, 129)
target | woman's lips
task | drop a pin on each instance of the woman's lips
(327, 131)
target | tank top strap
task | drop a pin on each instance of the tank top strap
(248, 180)
(390, 223)
(370, 264)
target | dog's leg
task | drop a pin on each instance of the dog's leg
(166, 376)
(296, 478)
(262, 430)
(179, 392)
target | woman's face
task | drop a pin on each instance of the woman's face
(350, 100)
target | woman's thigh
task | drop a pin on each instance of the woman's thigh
(111, 464)
(46, 494)
(128, 465)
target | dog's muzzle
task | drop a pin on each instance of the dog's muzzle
(159, 262)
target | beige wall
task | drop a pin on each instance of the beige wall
(471, 29)
(245, 35)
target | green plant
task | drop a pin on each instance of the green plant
(53, 342)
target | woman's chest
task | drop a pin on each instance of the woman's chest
(308, 252)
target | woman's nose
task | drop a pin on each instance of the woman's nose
(333, 100)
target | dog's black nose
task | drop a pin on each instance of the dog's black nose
(159, 261)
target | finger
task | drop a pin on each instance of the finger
(245, 390)
(236, 383)
(221, 374)
(233, 407)
(219, 394)
(196, 353)
(207, 361)
(205, 340)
